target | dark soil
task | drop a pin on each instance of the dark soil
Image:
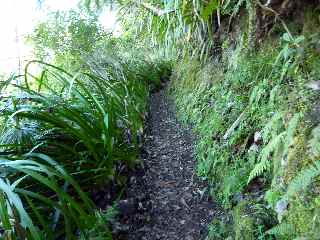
(165, 200)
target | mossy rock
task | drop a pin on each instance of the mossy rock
(250, 220)
(304, 215)
(244, 223)
(297, 158)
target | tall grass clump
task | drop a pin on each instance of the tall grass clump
(63, 134)
(39, 199)
(69, 123)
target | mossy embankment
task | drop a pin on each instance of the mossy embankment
(256, 115)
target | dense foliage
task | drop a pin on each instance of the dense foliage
(256, 117)
(67, 128)
(244, 76)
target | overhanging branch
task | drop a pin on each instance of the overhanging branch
(277, 16)
(155, 10)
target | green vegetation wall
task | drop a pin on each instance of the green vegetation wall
(245, 76)
(255, 110)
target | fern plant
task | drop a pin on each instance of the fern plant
(264, 163)
(283, 229)
(304, 178)
(277, 147)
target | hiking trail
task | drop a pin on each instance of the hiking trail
(166, 194)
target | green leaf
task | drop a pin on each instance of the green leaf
(209, 9)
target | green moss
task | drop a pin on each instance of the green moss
(269, 87)
(304, 216)
(297, 158)
(244, 224)
(251, 219)
(220, 229)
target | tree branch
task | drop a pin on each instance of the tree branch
(156, 11)
(234, 126)
(277, 16)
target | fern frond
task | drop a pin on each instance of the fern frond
(284, 139)
(273, 94)
(256, 94)
(259, 169)
(265, 156)
(283, 229)
(236, 9)
(303, 179)
(272, 128)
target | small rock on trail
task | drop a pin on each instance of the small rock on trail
(166, 195)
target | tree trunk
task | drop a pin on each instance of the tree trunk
(252, 24)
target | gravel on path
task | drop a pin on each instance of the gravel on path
(165, 200)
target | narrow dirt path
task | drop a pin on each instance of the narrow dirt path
(166, 192)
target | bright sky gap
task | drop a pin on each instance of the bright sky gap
(19, 17)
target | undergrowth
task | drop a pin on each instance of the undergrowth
(75, 117)
(255, 117)
(65, 132)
